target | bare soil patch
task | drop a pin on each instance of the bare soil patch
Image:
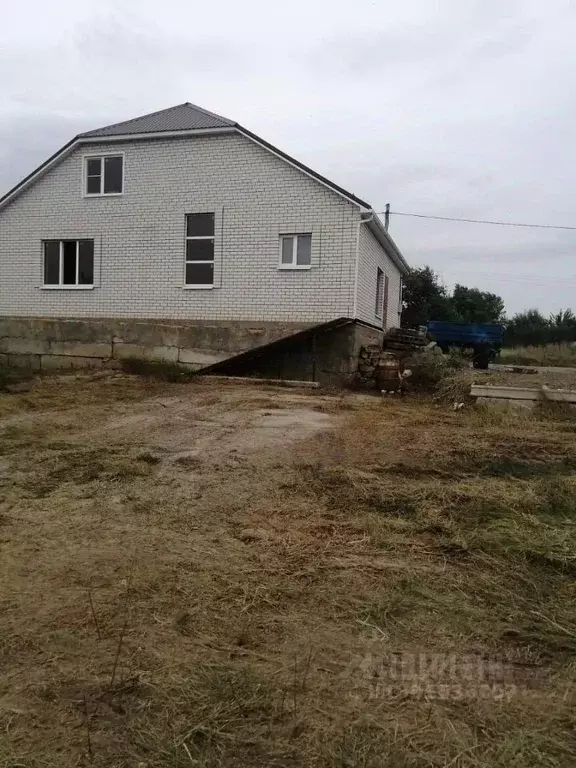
(224, 575)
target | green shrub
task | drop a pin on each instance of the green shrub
(430, 367)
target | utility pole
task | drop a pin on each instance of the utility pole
(387, 217)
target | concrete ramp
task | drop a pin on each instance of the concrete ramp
(326, 353)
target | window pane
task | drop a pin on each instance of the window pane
(69, 262)
(304, 248)
(93, 185)
(287, 245)
(112, 174)
(199, 274)
(199, 250)
(200, 225)
(93, 166)
(86, 262)
(51, 262)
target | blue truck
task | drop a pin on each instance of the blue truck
(484, 339)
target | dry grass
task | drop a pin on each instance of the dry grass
(562, 355)
(196, 575)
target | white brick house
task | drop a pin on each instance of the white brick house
(127, 190)
(183, 216)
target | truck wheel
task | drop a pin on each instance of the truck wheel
(482, 359)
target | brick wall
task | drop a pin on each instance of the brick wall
(139, 236)
(372, 256)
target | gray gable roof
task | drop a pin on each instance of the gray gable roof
(184, 117)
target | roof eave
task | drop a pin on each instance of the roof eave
(308, 171)
(382, 235)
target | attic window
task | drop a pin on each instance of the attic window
(104, 175)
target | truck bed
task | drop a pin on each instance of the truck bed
(465, 334)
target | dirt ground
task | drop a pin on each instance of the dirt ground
(555, 378)
(213, 575)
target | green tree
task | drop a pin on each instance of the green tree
(471, 305)
(424, 298)
(528, 327)
(562, 326)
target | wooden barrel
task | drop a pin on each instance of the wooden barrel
(388, 372)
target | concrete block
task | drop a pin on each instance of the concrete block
(16, 327)
(200, 357)
(542, 394)
(30, 362)
(61, 362)
(23, 346)
(53, 329)
(78, 349)
(148, 334)
(204, 336)
(123, 351)
(88, 331)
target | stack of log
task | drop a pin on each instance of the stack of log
(404, 341)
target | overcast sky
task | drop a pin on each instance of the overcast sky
(443, 107)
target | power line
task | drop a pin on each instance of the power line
(478, 221)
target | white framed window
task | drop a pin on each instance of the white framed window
(68, 263)
(199, 250)
(378, 309)
(295, 251)
(103, 175)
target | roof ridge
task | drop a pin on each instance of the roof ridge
(133, 119)
(207, 112)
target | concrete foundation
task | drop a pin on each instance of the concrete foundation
(48, 343)
(326, 353)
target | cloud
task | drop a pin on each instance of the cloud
(108, 62)
(449, 38)
(26, 141)
(450, 109)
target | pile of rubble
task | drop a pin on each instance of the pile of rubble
(369, 361)
(382, 366)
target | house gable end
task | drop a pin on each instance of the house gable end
(182, 120)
